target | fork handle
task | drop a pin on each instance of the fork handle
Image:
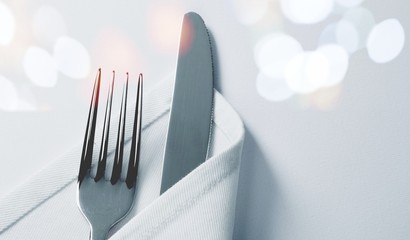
(98, 234)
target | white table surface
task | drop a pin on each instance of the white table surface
(341, 173)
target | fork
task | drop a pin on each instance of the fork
(104, 203)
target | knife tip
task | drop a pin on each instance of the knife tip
(193, 15)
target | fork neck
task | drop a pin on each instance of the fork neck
(98, 234)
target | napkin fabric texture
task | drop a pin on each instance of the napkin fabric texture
(200, 206)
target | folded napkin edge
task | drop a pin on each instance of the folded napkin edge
(13, 211)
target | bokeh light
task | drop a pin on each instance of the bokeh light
(165, 26)
(351, 31)
(363, 20)
(306, 12)
(40, 67)
(273, 52)
(250, 12)
(386, 41)
(347, 35)
(273, 89)
(280, 56)
(338, 60)
(48, 25)
(307, 72)
(328, 35)
(115, 50)
(285, 69)
(7, 24)
(324, 99)
(9, 99)
(349, 3)
(71, 57)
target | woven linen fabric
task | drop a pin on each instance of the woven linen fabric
(199, 206)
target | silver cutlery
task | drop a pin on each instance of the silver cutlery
(104, 203)
(191, 108)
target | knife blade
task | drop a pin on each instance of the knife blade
(191, 108)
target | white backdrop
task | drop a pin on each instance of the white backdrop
(332, 164)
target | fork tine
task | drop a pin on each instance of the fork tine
(87, 153)
(119, 150)
(102, 161)
(136, 139)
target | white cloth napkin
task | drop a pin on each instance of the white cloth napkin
(200, 206)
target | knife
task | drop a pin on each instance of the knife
(191, 108)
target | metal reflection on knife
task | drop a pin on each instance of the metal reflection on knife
(191, 108)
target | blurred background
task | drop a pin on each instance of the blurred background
(322, 87)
